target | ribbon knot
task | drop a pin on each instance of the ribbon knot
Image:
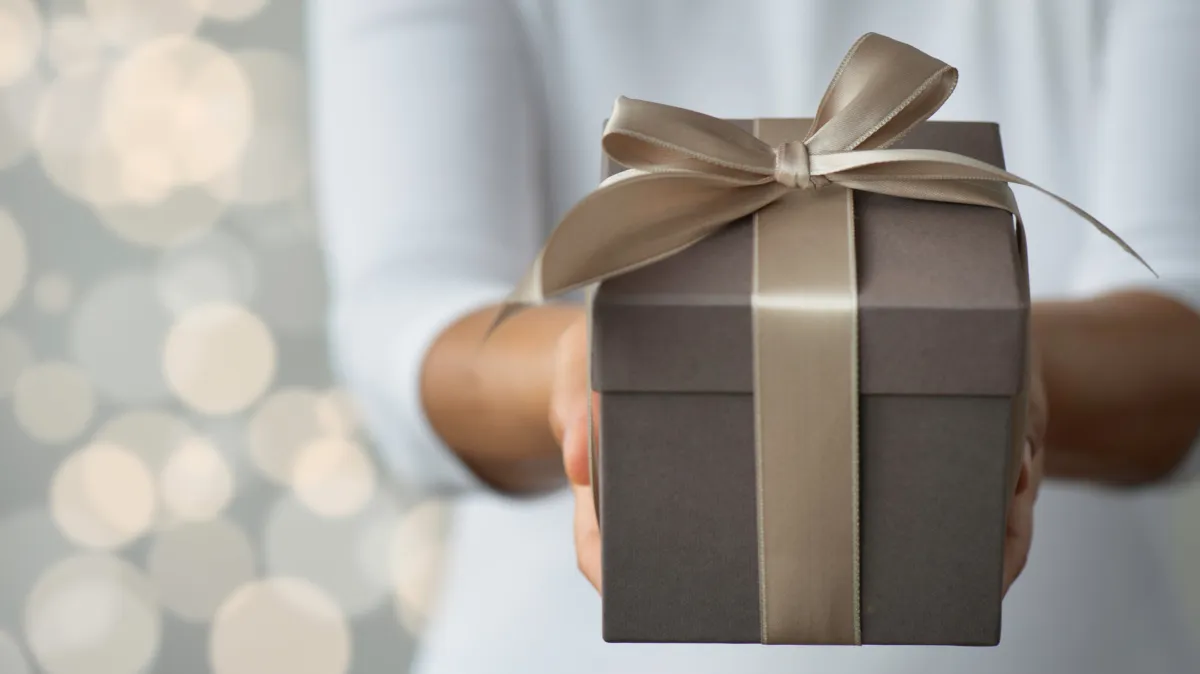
(791, 167)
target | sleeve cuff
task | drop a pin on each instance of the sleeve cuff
(430, 457)
(390, 392)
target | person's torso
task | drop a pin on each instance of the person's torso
(1094, 597)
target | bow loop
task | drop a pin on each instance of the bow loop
(882, 89)
(653, 137)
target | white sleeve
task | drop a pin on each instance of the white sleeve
(1148, 156)
(428, 172)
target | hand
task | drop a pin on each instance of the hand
(1019, 532)
(568, 419)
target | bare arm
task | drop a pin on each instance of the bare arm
(490, 401)
(1122, 374)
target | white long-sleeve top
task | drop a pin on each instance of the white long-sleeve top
(451, 135)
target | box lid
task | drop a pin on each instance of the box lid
(943, 298)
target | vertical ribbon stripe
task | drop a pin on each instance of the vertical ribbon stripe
(805, 313)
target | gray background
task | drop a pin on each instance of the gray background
(182, 486)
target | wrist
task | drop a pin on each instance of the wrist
(517, 370)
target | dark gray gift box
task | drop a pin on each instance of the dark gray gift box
(944, 305)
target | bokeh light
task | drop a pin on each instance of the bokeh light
(14, 262)
(219, 358)
(230, 10)
(179, 110)
(273, 168)
(92, 614)
(103, 496)
(52, 292)
(53, 402)
(172, 114)
(333, 477)
(20, 39)
(12, 660)
(215, 267)
(128, 22)
(159, 261)
(73, 154)
(18, 107)
(196, 484)
(31, 543)
(152, 435)
(194, 480)
(417, 557)
(181, 214)
(346, 557)
(73, 42)
(338, 413)
(147, 175)
(196, 566)
(117, 335)
(280, 625)
(283, 424)
(15, 356)
(274, 165)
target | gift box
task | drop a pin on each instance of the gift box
(810, 344)
(943, 308)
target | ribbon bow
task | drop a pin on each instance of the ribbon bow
(691, 174)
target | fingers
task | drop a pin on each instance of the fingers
(569, 422)
(569, 402)
(1019, 533)
(571, 360)
(1037, 416)
(576, 450)
(587, 535)
(570, 378)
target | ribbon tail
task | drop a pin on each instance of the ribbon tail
(1101, 227)
(506, 312)
(930, 174)
(973, 193)
(526, 294)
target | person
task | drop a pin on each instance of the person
(452, 134)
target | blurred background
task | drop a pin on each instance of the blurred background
(183, 486)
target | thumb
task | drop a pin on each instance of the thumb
(576, 449)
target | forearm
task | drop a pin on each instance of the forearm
(1122, 375)
(489, 400)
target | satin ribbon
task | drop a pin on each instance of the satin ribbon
(690, 175)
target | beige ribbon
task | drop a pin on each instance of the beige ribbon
(690, 175)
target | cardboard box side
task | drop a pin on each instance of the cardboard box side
(680, 535)
(934, 492)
